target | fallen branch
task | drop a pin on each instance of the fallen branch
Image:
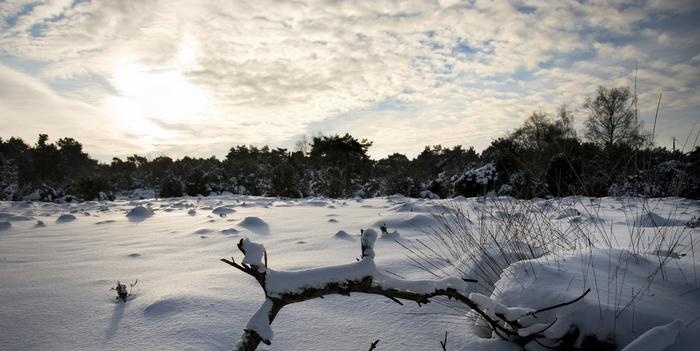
(284, 287)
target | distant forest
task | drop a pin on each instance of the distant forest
(544, 157)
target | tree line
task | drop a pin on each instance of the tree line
(543, 157)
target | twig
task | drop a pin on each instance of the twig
(559, 305)
(373, 345)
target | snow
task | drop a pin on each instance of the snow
(56, 278)
(254, 254)
(223, 210)
(260, 322)
(255, 224)
(368, 239)
(656, 338)
(341, 234)
(65, 218)
(139, 213)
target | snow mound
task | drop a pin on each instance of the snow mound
(332, 220)
(5, 225)
(134, 255)
(230, 231)
(65, 218)
(39, 224)
(657, 338)
(391, 236)
(255, 225)
(203, 231)
(424, 208)
(223, 210)
(316, 203)
(653, 220)
(413, 221)
(341, 234)
(139, 213)
(164, 307)
(192, 212)
(567, 213)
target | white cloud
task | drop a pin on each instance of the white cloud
(195, 76)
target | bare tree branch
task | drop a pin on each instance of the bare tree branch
(369, 281)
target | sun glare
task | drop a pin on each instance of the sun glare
(149, 98)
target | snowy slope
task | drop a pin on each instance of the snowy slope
(56, 272)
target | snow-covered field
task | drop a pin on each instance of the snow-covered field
(59, 261)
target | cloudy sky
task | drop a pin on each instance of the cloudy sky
(197, 77)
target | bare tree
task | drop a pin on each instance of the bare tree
(612, 119)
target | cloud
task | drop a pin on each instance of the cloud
(200, 76)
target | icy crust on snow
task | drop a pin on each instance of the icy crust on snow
(260, 322)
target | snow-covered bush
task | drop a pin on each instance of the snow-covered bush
(475, 182)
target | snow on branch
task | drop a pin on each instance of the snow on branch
(286, 287)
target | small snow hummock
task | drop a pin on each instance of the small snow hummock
(65, 218)
(341, 234)
(260, 322)
(139, 213)
(255, 224)
(223, 211)
(254, 253)
(5, 225)
(192, 212)
(230, 231)
(657, 338)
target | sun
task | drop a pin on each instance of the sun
(149, 98)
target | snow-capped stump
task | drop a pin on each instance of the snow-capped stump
(139, 213)
(368, 238)
(5, 226)
(254, 253)
(65, 218)
(255, 225)
(39, 224)
(223, 211)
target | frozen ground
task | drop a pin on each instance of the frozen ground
(58, 262)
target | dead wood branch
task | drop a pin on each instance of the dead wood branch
(364, 278)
